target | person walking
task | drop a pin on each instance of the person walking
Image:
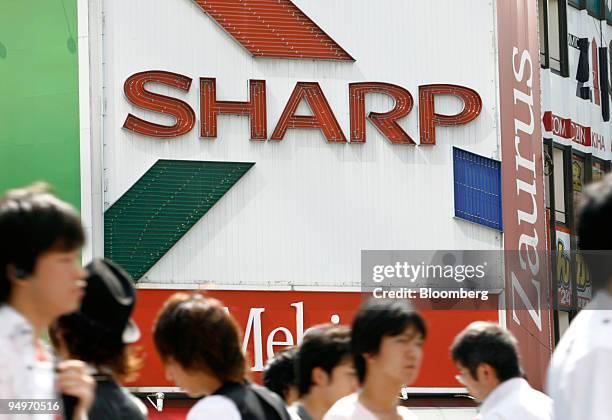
(199, 344)
(488, 361)
(387, 339)
(325, 371)
(99, 334)
(581, 366)
(40, 279)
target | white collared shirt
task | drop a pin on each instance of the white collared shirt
(22, 375)
(350, 408)
(515, 399)
(214, 407)
(580, 375)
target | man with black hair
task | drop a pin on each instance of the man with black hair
(279, 375)
(387, 345)
(40, 279)
(324, 369)
(580, 375)
(489, 366)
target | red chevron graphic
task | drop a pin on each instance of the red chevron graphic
(273, 28)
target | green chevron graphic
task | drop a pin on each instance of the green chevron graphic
(161, 207)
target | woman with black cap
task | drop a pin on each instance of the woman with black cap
(99, 334)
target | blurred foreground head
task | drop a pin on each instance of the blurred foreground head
(100, 331)
(387, 339)
(595, 231)
(199, 343)
(40, 241)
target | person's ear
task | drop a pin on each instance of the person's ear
(319, 376)
(168, 365)
(368, 357)
(485, 373)
(14, 273)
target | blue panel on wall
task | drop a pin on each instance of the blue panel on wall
(477, 188)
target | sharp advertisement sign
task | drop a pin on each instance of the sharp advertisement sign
(261, 145)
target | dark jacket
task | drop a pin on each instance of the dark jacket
(115, 402)
(254, 402)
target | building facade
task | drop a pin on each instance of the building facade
(254, 149)
(575, 66)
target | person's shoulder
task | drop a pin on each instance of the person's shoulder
(523, 400)
(601, 335)
(344, 408)
(114, 401)
(294, 412)
(523, 389)
(593, 324)
(348, 401)
(212, 406)
(594, 334)
(137, 407)
(106, 388)
(14, 328)
(406, 414)
(140, 407)
(590, 333)
(538, 404)
(539, 396)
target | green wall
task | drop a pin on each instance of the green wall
(39, 108)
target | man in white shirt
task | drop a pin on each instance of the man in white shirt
(387, 344)
(488, 362)
(40, 279)
(580, 375)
